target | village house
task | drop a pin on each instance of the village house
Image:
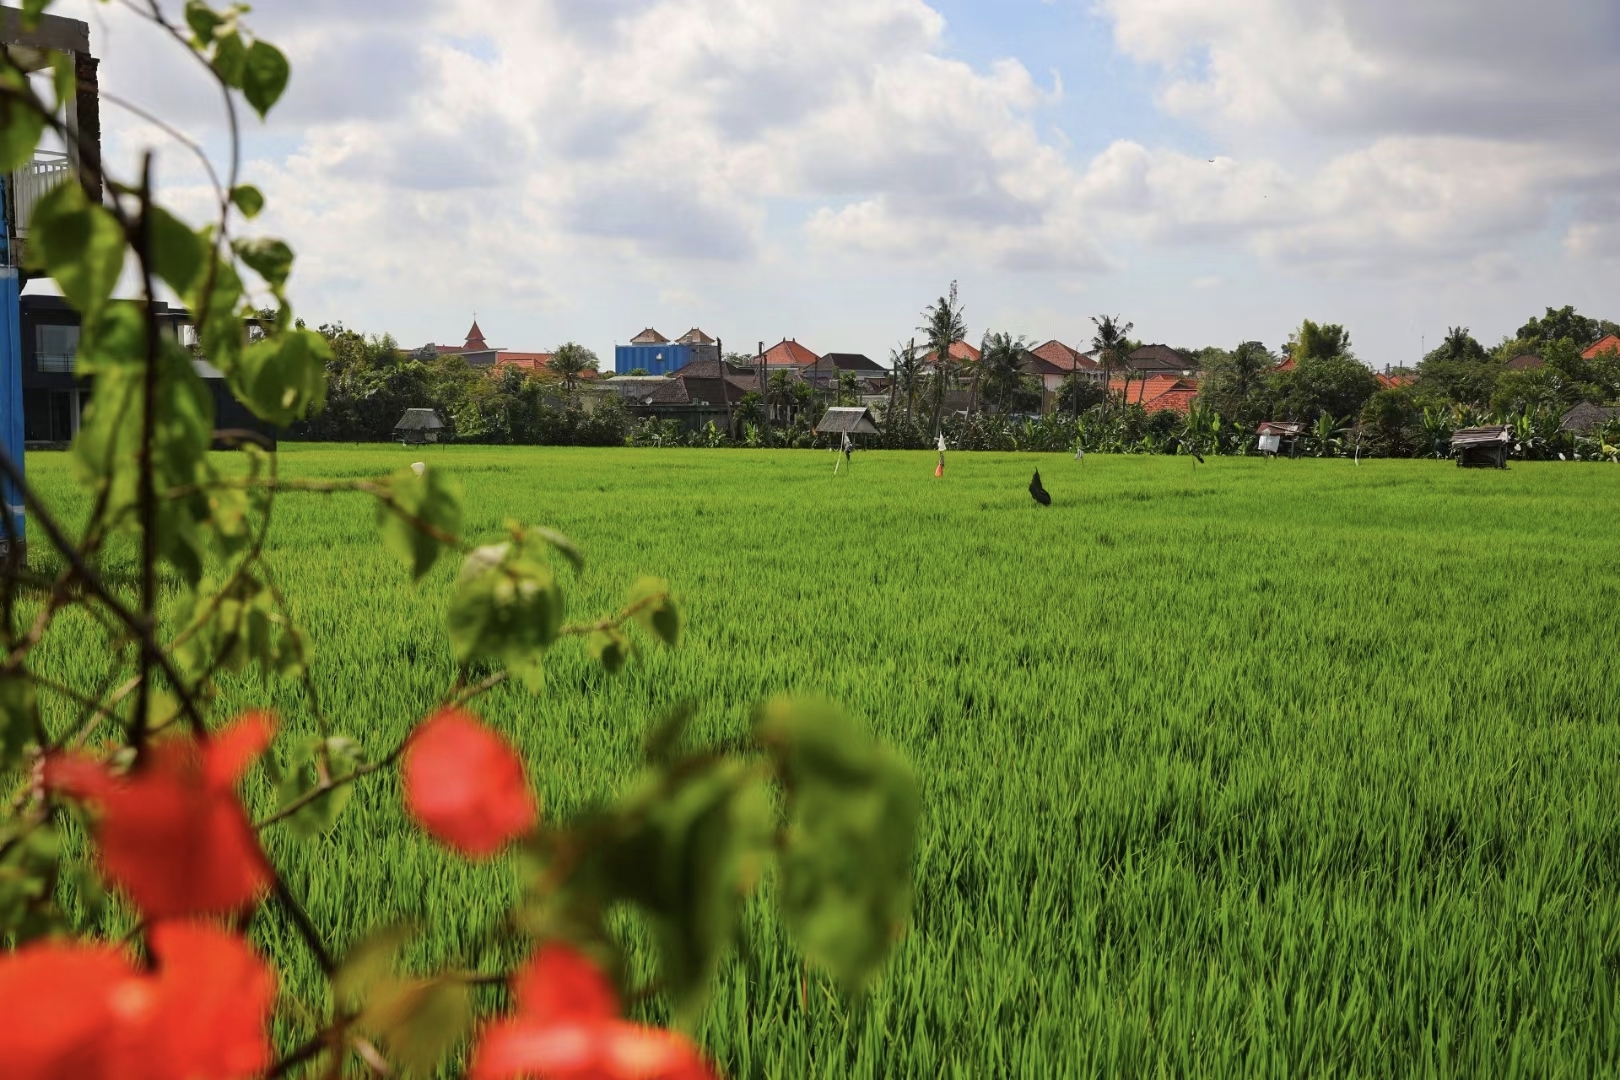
(1608, 343)
(1157, 393)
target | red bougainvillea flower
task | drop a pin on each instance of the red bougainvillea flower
(464, 784)
(57, 1001)
(173, 834)
(566, 1027)
(210, 1007)
(82, 1012)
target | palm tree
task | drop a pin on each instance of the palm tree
(908, 373)
(1001, 368)
(570, 362)
(1109, 342)
(943, 326)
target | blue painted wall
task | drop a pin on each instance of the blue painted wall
(656, 359)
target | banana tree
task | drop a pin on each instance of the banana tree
(1324, 437)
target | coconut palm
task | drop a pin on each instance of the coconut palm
(943, 326)
(570, 362)
(1000, 371)
(1109, 342)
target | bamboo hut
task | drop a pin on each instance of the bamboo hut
(847, 420)
(1482, 447)
(418, 426)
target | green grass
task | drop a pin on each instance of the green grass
(1268, 769)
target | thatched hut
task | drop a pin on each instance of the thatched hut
(1482, 447)
(847, 420)
(418, 426)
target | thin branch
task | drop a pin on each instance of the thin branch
(306, 928)
(147, 496)
(97, 588)
(174, 133)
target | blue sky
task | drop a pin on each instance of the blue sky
(822, 170)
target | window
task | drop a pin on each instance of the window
(54, 346)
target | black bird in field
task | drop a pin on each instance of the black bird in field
(1037, 492)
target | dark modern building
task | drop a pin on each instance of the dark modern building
(55, 396)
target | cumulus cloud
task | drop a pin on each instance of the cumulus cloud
(493, 143)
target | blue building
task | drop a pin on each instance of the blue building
(655, 354)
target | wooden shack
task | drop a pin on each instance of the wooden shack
(1275, 436)
(418, 426)
(1482, 447)
(847, 420)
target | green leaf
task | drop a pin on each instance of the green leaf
(64, 79)
(77, 243)
(203, 21)
(248, 199)
(264, 76)
(610, 648)
(432, 499)
(367, 964)
(666, 735)
(19, 723)
(846, 863)
(214, 300)
(282, 378)
(562, 545)
(690, 863)
(177, 252)
(107, 449)
(507, 607)
(270, 259)
(298, 776)
(417, 1020)
(656, 612)
(20, 126)
(230, 59)
(31, 11)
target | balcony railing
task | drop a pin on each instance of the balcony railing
(32, 183)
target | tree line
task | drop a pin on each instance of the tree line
(1314, 378)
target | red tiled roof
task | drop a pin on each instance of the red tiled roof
(525, 360)
(1064, 358)
(1174, 400)
(475, 339)
(1612, 341)
(1286, 365)
(1394, 382)
(787, 353)
(1158, 392)
(960, 351)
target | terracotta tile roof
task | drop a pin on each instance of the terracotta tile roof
(1612, 341)
(527, 361)
(960, 351)
(1286, 365)
(694, 336)
(1394, 382)
(1158, 392)
(1063, 358)
(1525, 362)
(649, 336)
(786, 353)
(1173, 400)
(475, 339)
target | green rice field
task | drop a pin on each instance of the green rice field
(1263, 769)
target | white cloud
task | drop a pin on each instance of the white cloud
(512, 152)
